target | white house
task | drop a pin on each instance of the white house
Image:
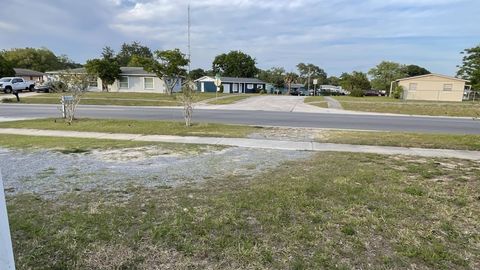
(132, 79)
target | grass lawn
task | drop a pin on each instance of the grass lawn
(82, 145)
(390, 105)
(402, 139)
(230, 100)
(114, 98)
(136, 127)
(332, 211)
(318, 101)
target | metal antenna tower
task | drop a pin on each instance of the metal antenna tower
(189, 47)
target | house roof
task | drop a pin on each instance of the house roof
(432, 74)
(231, 80)
(19, 72)
(126, 71)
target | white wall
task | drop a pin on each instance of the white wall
(6, 251)
(136, 84)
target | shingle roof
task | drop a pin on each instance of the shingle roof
(233, 80)
(27, 72)
(132, 71)
(135, 71)
(432, 74)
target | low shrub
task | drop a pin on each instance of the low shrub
(357, 93)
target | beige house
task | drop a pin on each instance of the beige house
(433, 87)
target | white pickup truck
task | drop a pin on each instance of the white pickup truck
(8, 84)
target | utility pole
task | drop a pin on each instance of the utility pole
(308, 80)
(189, 47)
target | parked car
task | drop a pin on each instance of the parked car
(8, 84)
(372, 92)
(51, 86)
(299, 92)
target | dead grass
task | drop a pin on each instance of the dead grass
(333, 211)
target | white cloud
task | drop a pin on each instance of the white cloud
(336, 34)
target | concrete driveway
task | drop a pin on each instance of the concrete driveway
(269, 103)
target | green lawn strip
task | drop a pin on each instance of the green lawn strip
(398, 106)
(441, 109)
(332, 211)
(83, 145)
(136, 127)
(114, 98)
(402, 139)
(229, 100)
(318, 101)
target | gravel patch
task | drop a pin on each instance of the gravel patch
(49, 174)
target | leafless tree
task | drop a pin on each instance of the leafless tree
(188, 98)
(76, 86)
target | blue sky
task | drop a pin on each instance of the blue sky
(337, 35)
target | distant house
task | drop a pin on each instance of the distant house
(433, 87)
(28, 74)
(231, 84)
(132, 79)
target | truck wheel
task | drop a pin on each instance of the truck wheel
(8, 90)
(31, 88)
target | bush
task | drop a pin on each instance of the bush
(357, 93)
(7, 100)
(397, 92)
(262, 92)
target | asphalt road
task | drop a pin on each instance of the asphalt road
(262, 118)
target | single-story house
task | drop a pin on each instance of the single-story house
(432, 87)
(29, 75)
(132, 79)
(231, 84)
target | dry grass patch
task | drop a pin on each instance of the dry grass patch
(333, 211)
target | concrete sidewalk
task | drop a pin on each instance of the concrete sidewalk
(253, 143)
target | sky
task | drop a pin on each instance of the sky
(337, 35)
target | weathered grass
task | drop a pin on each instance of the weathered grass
(391, 105)
(333, 211)
(229, 100)
(136, 127)
(115, 98)
(402, 139)
(318, 101)
(82, 145)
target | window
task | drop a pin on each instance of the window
(148, 83)
(123, 82)
(92, 81)
(447, 87)
(412, 87)
(249, 86)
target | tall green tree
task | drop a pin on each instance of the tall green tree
(414, 70)
(235, 64)
(470, 68)
(290, 78)
(333, 80)
(356, 82)
(311, 71)
(170, 67)
(196, 74)
(130, 50)
(274, 75)
(37, 59)
(384, 73)
(105, 68)
(6, 68)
